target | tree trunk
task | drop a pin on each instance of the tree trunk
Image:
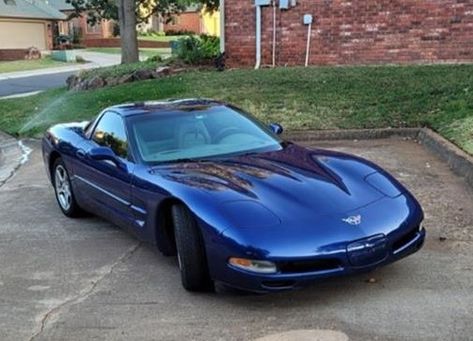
(129, 38)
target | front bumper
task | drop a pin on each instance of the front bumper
(338, 263)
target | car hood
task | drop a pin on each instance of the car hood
(291, 182)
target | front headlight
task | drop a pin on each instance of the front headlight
(259, 266)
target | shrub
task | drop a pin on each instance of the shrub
(115, 29)
(156, 58)
(198, 50)
(151, 33)
(179, 33)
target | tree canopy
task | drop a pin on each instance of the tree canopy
(144, 9)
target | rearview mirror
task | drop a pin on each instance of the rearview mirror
(276, 128)
(106, 154)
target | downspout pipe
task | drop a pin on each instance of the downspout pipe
(222, 26)
(258, 37)
(259, 4)
(274, 33)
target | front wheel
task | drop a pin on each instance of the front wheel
(190, 251)
(63, 190)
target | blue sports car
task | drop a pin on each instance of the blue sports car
(237, 204)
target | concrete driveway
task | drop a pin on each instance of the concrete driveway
(63, 279)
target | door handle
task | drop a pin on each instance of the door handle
(80, 154)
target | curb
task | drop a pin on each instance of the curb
(351, 134)
(459, 161)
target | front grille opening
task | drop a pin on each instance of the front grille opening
(313, 265)
(406, 238)
(278, 284)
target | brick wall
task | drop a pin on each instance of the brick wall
(12, 54)
(354, 32)
(188, 21)
(116, 42)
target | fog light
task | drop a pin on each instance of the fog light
(260, 266)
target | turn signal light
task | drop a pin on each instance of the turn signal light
(259, 266)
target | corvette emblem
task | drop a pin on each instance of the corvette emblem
(353, 220)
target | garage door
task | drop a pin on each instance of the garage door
(18, 35)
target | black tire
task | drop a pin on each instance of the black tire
(190, 251)
(72, 210)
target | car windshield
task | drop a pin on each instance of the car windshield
(198, 133)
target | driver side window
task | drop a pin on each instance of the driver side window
(110, 132)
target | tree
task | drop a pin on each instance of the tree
(129, 13)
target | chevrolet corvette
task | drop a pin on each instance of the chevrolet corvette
(236, 203)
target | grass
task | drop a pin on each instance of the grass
(161, 38)
(440, 97)
(144, 52)
(25, 65)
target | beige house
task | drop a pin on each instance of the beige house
(27, 23)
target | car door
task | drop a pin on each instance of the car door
(105, 185)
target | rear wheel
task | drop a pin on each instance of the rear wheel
(190, 251)
(63, 190)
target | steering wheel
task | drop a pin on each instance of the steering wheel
(225, 132)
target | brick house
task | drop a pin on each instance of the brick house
(349, 31)
(189, 20)
(25, 24)
(193, 19)
(104, 29)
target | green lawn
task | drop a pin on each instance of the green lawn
(440, 97)
(146, 52)
(24, 65)
(161, 38)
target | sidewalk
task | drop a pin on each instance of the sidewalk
(95, 60)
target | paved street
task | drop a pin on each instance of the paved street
(85, 279)
(34, 83)
(38, 80)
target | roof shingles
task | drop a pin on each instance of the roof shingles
(31, 9)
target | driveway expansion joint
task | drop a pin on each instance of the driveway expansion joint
(83, 294)
(13, 154)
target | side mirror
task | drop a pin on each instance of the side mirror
(276, 128)
(106, 154)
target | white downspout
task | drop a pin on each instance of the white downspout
(258, 37)
(259, 4)
(222, 26)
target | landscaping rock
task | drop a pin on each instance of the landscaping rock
(72, 81)
(82, 85)
(95, 83)
(77, 83)
(141, 75)
(125, 79)
(111, 81)
(162, 71)
(179, 70)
